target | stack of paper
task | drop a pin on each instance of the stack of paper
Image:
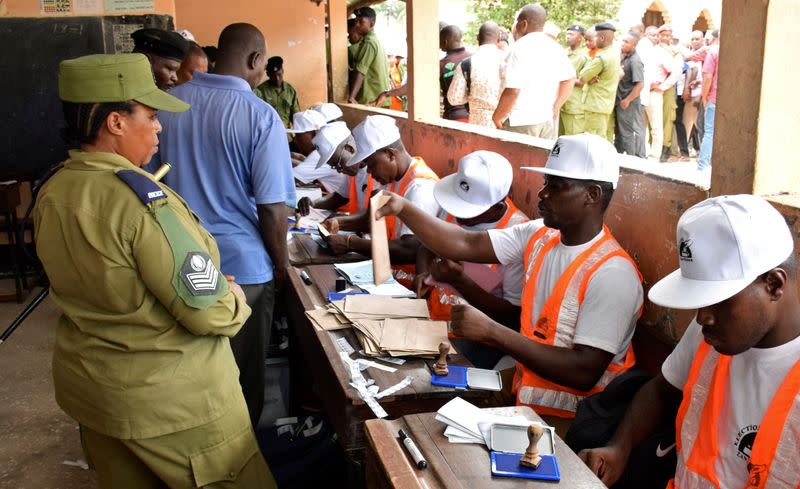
(327, 319)
(401, 337)
(360, 274)
(467, 423)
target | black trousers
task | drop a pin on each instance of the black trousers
(630, 134)
(249, 346)
(680, 129)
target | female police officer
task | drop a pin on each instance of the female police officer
(142, 359)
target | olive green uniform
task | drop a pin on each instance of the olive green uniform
(599, 98)
(142, 358)
(571, 117)
(284, 100)
(369, 59)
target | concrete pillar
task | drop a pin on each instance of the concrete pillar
(337, 49)
(756, 123)
(423, 59)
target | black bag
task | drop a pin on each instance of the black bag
(652, 463)
(304, 454)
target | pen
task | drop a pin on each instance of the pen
(304, 275)
(412, 449)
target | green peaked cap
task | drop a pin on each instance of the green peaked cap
(99, 78)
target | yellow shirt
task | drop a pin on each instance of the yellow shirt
(136, 356)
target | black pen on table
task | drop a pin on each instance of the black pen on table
(412, 449)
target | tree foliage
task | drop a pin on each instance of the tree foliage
(562, 12)
(394, 9)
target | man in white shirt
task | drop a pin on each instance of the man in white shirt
(382, 152)
(539, 78)
(479, 79)
(305, 159)
(736, 372)
(559, 359)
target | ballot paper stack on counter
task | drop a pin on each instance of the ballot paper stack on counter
(361, 274)
(467, 423)
(385, 326)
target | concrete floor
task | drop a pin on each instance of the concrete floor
(37, 437)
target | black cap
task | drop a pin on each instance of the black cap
(365, 12)
(167, 44)
(274, 64)
(605, 26)
(577, 28)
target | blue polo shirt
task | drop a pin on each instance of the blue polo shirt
(229, 153)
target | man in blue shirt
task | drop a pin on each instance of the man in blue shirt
(232, 165)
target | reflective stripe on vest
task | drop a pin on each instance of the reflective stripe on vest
(775, 456)
(439, 301)
(417, 170)
(558, 318)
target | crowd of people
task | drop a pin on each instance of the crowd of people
(647, 92)
(168, 290)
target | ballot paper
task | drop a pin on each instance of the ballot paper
(325, 320)
(360, 274)
(403, 337)
(386, 307)
(379, 242)
(467, 423)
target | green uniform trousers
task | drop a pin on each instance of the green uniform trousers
(596, 123)
(670, 108)
(570, 124)
(222, 454)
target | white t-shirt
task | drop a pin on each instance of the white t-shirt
(758, 373)
(307, 172)
(419, 193)
(536, 65)
(608, 314)
(513, 274)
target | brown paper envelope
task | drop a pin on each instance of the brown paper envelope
(379, 242)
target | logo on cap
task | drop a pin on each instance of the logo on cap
(685, 250)
(556, 150)
(464, 186)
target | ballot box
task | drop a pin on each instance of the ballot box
(454, 465)
(317, 364)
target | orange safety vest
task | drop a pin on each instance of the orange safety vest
(775, 457)
(417, 169)
(352, 206)
(439, 301)
(556, 323)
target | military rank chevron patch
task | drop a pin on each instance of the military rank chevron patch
(199, 274)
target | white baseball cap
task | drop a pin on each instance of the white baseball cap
(329, 110)
(724, 244)
(306, 121)
(582, 157)
(374, 133)
(482, 180)
(328, 139)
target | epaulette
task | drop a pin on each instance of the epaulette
(147, 190)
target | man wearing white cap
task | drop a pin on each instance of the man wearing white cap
(380, 148)
(581, 292)
(475, 198)
(332, 112)
(305, 126)
(733, 381)
(336, 147)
